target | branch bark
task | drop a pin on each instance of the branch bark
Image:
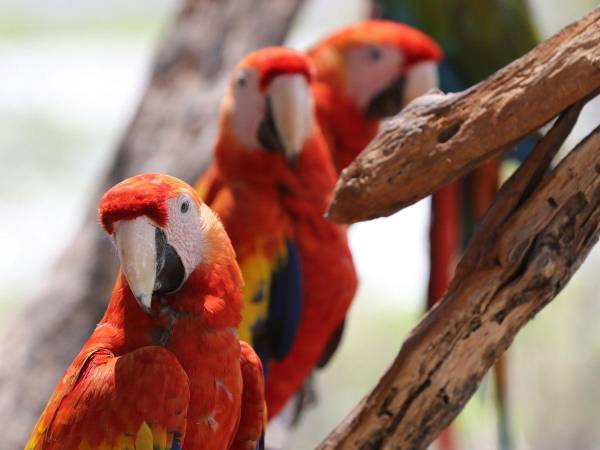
(172, 132)
(534, 237)
(440, 137)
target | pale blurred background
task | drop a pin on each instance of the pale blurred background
(71, 74)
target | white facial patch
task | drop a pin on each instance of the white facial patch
(248, 106)
(420, 79)
(370, 70)
(184, 231)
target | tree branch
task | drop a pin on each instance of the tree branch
(531, 241)
(440, 137)
(172, 132)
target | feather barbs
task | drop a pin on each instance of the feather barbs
(145, 194)
(274, 61)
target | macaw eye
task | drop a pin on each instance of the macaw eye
(185, 206)
(241, 81)
(375, 54)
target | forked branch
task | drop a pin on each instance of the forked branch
(530, 243)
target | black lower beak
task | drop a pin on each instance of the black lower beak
(170, 272)
(268, 136)
(388, 102)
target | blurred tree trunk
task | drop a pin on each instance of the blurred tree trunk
(172, 132)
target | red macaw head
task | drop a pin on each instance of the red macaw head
(268, 111)
(378, 64)
(163, 232)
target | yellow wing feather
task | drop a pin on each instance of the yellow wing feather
(257, 271)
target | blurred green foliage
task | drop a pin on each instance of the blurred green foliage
(478, 36)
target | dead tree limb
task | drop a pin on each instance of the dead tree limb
(532, 240)
(441, 137)
(172, 132)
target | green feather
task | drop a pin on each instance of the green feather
(478, 36)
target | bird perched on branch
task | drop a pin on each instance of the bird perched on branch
(367, 72)
(364, 73)
(164, 368)
(270, 184)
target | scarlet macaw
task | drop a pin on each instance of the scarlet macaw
(164, 368)
(270, 184)
(363, 73)
(366, 72)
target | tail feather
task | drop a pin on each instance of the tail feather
(444, 249)
(447, 440)
(444, 240)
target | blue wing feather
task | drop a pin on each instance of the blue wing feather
(285, 305)
(176, 443)
(273, 335)
(260, 445)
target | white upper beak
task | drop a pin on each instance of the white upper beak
(420, 79)
(136, 244)
(292, 106)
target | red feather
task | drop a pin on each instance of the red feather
(260, 198)
(274, 61)
(347, 129)
(177, 372)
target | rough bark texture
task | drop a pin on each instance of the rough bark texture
(534, 237)
(440, 137)
(173, 133)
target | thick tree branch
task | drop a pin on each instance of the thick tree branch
(172, 132)
(440, 137)
(516, 190)
(531, 241)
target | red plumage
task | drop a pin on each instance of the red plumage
(254, 411)
(347, 128)
(260, 196)
(444, 238)
(141, 196)
(416, 45)
(272, 62)
(175, 378)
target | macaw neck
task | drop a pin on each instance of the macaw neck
(211, 296)
(310, 180)
(124, 326)
(346, 128)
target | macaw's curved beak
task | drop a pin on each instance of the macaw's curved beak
(288, 118)
(387, 102)
(150, 265)
(415, 82)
